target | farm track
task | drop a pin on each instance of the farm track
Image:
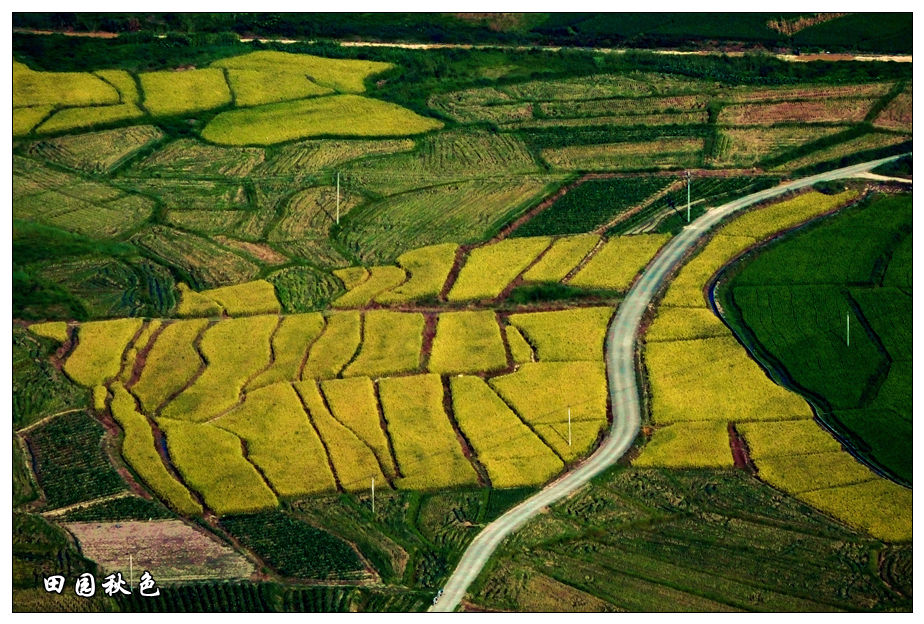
(621, 347)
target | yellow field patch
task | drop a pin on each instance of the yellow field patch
(26, 118)
(520, 350)
(335, 347)
(290, 347)
(565, 335)
(354, 404)
(56, 330)
(429, 456)
(257, 297)
(353, 460)
(542, 393)
(82, 118)
(139, 450)
(345, 75)
(782, 439)
(98, 355)
(252, 87)
(337, 115)
(428, 268)
(228, 483)
(187, 91)
(688, 445)
(796, 474)
(39, 88)
(231, 361)
(467, 342)
(670, 152)
(511, 453)
(171, 362)
(616, 264)
(391, 344)
(281, 441)
(561, 258)
(879, 507)
(380, 280)
(489, 269)
(685, 324)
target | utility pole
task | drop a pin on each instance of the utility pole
(338, 198)
(569, 426)
(373, 496)
(687, 174)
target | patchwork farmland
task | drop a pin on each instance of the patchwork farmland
(324, 314)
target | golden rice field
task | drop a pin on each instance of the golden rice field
(280, 440)
(335, 347)
(381, 279)
(520, 350)
(512, 454)
(56, 330)
(878, 507)
(27, 117)
(98, 354)
(252, 87)
(391, 343)
(39, 88)
(428, 268)
(685, 324)
(171, 362)
(467, 342)
(81, 118)
(565, 335)
(688, 445)
(563, 256)
(187, 91)
(296, 334)
(489, 269)
(335, 115)
(428, 454)
(257, 297)
(786, 438)
(344, 75)
(615, 265)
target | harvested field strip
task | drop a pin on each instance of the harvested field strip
(511, 453)
(97, 151)
(714, 379)
(428, 267)
(806, 92)
(467, 342)
(866, 142)
(177, 92)
(897, 115)
(170, 363)
(565, 254)
(807, 111)
(623, 106)
(281, 441)
(354, 405)
(425, 444)
(227, 482)
(672, 152)
(565, 335)
(796, 474)
(140, 452)
(688, 445)
(615, 266)
(290, 348)
(230, 362)
(98, 355)
(335, 347)
(353, 459)
(170, 550)
(381, 279)
(257, 297)
(880, 507)
(784, 439)
(541, 393)
(749, 146)
(391, 344)
(489, 269)
(687, 287)
(688, 118)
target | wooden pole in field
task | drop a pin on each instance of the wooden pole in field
(688, 195)
(338, 198)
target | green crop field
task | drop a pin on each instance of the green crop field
(336, 307)
(809, 308)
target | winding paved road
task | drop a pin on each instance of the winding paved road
(620, 363)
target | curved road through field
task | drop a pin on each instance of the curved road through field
(624, 394)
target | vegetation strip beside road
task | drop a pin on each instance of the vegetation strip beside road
(621, 373)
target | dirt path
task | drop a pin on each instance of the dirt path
(41, 422)
(60, 511)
